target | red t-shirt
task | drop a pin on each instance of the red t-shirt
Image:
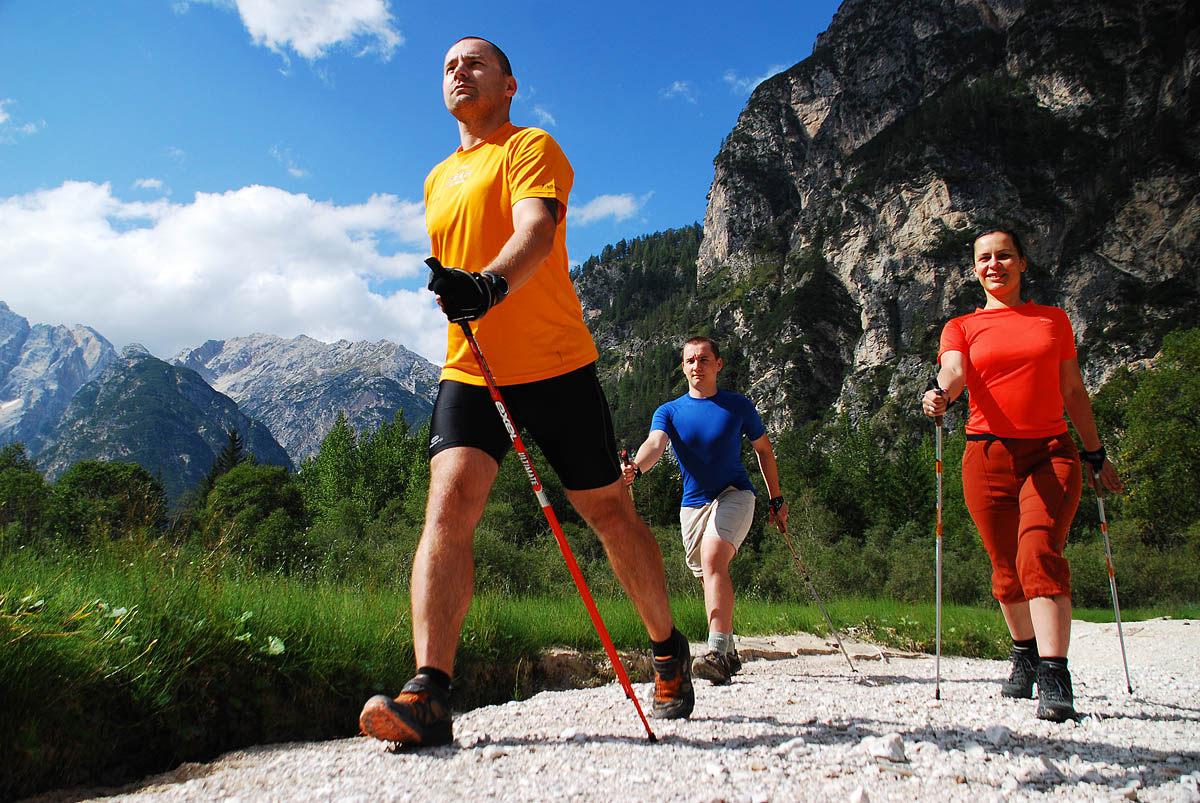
(1012, 358)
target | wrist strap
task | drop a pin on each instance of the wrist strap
(776, 504)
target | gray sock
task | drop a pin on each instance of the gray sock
(720, 642)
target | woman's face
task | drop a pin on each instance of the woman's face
(999, 265)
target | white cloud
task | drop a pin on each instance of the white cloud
(311, 28)
(744, 86)
(544, 117)
(680, 89)
(284, 157)
(148, 184)
(618, 207)
(10, 129)
(256, 259)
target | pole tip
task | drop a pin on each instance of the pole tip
(653, 739)
(937, 695)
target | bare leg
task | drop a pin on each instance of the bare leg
(715, 554)
(632, 550)
(1047, 618)
(443, 575)
(1052, 622)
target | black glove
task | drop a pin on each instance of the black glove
(1094, 459)
(465, 296)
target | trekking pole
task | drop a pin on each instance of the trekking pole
(813, 590)
(563, 546)
(625, 459)
(937, 439)
(1112, 577)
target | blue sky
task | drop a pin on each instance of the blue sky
(173, 171)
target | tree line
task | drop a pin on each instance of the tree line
(862, 502)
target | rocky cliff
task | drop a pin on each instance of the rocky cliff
(836, 238)
(41, 369)
(161, 416)
(297, 387)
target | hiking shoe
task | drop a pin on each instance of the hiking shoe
(674, 697)
(1056, 700)
(733, 661)
(712, 666)
(419, 716)
(1020, 681)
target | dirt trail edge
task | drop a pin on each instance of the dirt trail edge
(795, 725)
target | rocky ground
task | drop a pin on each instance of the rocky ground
(796, 725)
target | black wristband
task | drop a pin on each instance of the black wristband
(776, 504)
(1094, 459)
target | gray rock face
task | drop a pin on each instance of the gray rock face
(298, 386)
(844, 198)
(41, 369)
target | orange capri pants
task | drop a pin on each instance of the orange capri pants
(1022, 494)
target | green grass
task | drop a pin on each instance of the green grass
(125, 659)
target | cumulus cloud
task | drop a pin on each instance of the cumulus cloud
(744, 86)
(311, 28)
(617, 207)
(680, 89)
(148, 184)
(255, 259)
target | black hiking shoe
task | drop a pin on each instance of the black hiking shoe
(712, 666)
(674, 697)
(734, 662)
(1020, 681)
(1056, 700)
(419, 716)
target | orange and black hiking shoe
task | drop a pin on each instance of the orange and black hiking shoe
(674, 697)
(419, 716)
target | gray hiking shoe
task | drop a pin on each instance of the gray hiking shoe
(1056, 699)
(733, 661)
(1020, 681)
(712, 666)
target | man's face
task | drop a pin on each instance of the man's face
(473, 82)
(699, 364)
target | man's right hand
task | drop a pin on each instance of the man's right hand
(465, 296)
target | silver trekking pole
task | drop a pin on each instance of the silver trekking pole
(813, 590)
(937, 439)
(1112, 577)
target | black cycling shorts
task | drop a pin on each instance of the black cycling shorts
(567, 416)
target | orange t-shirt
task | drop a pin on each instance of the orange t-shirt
(1012, 358)
(538, 332)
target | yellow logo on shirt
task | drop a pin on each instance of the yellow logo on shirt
(459, 177)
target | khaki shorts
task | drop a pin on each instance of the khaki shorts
(727, 517)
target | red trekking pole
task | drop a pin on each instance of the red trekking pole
(544, 501)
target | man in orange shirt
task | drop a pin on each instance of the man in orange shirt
(497, 207)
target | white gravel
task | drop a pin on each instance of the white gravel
(794, 728)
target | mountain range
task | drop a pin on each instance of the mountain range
(835, 244)
(68, 396)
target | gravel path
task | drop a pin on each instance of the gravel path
(794, 728)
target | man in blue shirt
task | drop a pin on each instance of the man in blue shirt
(705, 427)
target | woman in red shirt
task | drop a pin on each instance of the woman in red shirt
(1021, 470)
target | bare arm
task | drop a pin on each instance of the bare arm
(1079, 410)
(534, 223)
(770, 473)
(950, 378)
(647, 454)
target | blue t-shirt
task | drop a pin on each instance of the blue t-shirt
(706, 435)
